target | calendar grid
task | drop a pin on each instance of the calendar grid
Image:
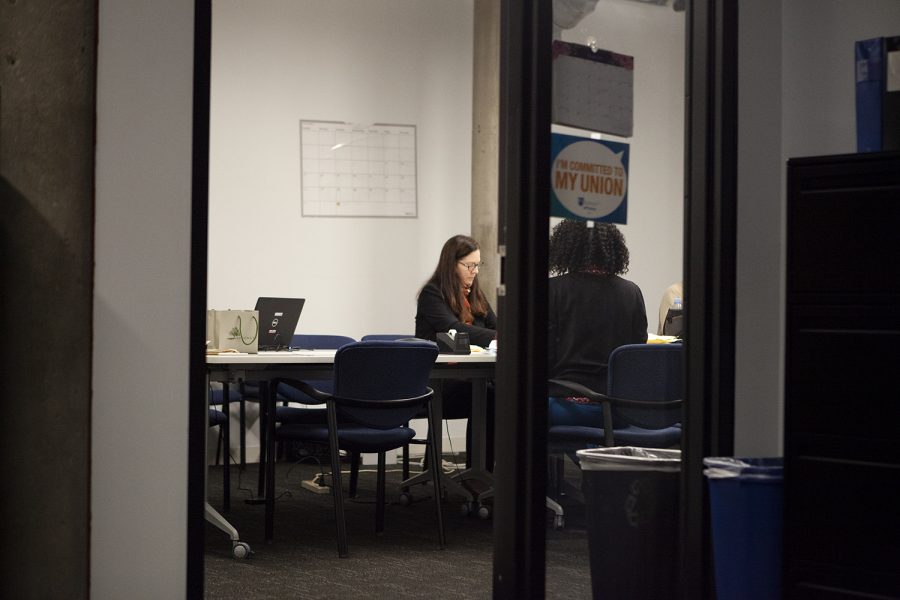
(350, 170)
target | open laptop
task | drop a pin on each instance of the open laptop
(278, 319)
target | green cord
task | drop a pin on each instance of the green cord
(239, 331)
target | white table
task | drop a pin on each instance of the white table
(318, 364)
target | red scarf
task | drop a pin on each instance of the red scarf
(466, 316)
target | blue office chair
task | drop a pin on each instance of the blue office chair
(250, 390)
(218, 418)
(285, 414)
(387, 337)
(642, 405)
(404, 460)
(378, 387)
(216, 396)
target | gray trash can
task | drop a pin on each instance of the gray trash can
(632, 501)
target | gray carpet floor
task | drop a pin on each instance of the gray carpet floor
(404, 562)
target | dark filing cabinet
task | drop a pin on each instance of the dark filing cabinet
(842, 378)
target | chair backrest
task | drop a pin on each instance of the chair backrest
(320, 342)
(216, 417)
(383, 370)
(313, 342)
(217, 394)
(386, 337)
(650, 372)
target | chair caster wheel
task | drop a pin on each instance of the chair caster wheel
(484, 512)
(466, 508)
(240, 550)
(559, 522)
(405, 499)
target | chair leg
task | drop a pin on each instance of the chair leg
(405, 462)
(243, 431)
(219, 439)
(264, 417)
(559, 472)
(552, 482)
(379, 495)
(336, 492)
(226, 475)
(354, 474)
(281, 450)
(226, 446)
(435, 466)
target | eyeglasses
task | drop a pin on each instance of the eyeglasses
(472, 266)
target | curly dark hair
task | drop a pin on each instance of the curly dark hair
(575, 247)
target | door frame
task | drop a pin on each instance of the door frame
(198, 414)
(709, 251)
(710, 202)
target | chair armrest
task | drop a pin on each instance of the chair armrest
(390, 403)
(573, 386)
(608, 402)
(314, 393)
(624, 402)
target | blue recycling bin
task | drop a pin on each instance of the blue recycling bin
(746, 517)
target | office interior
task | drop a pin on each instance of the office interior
(375, 76)
(795, 99)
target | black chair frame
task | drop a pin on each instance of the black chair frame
(608, 402)
(332, 404)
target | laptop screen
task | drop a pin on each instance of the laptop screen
(278, 319)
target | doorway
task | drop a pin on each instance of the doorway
(708, 234)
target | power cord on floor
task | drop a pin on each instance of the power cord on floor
(285, 494)
(320, 483)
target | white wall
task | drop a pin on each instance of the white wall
(797, 98)
(655, 37)
(143, 247)
(345, 61)
(280, 61)
(819, 70)
(760, 240)
(141, 300)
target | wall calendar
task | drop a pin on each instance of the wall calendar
(352, 170)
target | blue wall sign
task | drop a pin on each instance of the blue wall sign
(589, 179)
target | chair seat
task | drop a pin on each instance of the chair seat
(377, 386)
(216, 395)
(566, 435)
(251, 391)
(287, 393)
(648, 438)
(350, 437)
(576, 437)
(216, 417)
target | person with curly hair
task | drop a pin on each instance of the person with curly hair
(592, 310)
(452, 299)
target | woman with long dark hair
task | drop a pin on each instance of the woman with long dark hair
(452, 299)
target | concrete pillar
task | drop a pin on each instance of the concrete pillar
(486, 140)
(47, 80)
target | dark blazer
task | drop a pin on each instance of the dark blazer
(434, 315)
